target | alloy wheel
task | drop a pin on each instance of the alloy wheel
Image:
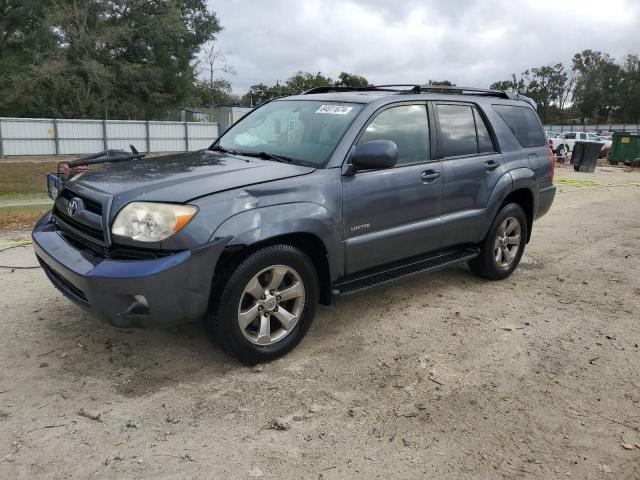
(507, 242)
(271, 305)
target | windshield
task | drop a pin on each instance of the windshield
(303, 132)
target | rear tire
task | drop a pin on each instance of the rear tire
(266, 304)
(502, 248)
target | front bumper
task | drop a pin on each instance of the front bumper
(176, 288)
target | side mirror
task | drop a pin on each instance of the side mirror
(373, 155)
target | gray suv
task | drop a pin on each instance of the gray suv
(306, 198)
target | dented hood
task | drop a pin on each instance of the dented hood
(183, 177)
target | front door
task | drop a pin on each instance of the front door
(394, 213)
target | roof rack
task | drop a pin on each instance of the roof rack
(406, 88)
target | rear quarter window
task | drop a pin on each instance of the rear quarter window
(523, 123)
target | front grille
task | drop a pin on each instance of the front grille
(63, 284)
(86, 226)
(78, 231)
(87, 246)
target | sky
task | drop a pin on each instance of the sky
(470, 42)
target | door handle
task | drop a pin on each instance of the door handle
(491, 165)
(429, 175)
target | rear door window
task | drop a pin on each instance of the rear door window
(570, 136)
(462, 131)
(523, 123)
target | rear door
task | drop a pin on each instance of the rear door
(394, 213)
(471, 167)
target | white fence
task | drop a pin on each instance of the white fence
(619, 127)
(40, 136)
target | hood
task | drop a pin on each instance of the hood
(182, 177)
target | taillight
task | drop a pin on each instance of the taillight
(550, 142)
(553, 163)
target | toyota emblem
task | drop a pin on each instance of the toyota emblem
(72, 207)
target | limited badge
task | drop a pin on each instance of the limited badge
(334, 109)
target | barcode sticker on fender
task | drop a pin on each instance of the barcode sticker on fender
(334, 109)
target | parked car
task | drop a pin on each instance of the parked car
(306, 198)
(557, 143)
(605, 135)
(571, 137)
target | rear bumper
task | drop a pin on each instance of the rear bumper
(176, 288)
(545, 199)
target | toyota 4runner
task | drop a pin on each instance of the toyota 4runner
(306, 198)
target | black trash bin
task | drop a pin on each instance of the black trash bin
(584, 156)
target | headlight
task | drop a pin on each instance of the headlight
(151, 222)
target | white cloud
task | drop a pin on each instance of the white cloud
(469, 42)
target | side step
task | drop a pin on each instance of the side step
(394, 271)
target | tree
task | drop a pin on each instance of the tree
(22, 39)
(260, 93)
(514, 85)
(295, 85)
(303, 81)
(211, 94)
(212, 61)
(597, 85)
(548, 85)
(630, 90)
(351, 80)
(108, 58)
(444, 83)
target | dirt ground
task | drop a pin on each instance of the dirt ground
(439, 376)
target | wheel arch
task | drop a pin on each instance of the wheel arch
(524, 198)
(306, 226)
(308, 243)
(516, 186)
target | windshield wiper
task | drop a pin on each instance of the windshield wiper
(218, 148)
(263, 155)
(270, 156)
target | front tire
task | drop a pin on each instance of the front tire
(502, 248)
(266, 304)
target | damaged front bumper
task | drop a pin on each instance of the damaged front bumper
(163, 291)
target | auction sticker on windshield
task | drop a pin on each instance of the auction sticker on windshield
(334, 109)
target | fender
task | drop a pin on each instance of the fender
(525, 178)
(502, 188)
(263, 223)
(516, 179)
